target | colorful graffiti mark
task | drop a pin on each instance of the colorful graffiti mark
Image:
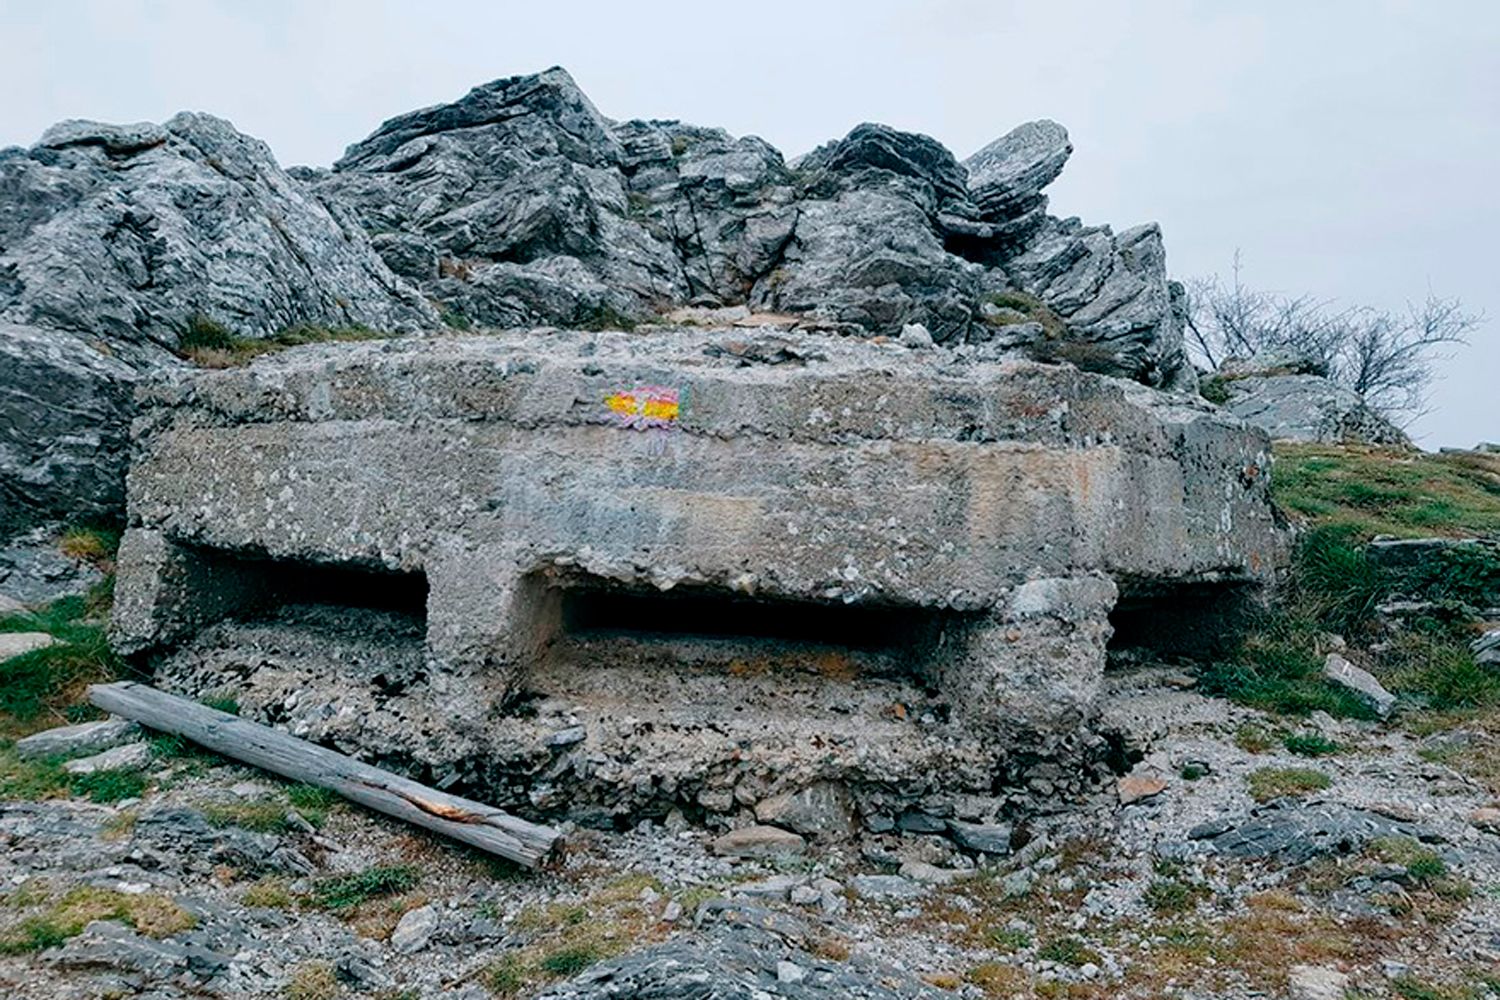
(644, 407)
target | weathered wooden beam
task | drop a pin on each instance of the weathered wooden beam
(473, 823)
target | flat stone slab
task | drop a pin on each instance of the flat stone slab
(759, 842)
(130, 757)
(86, 737)
(20, 643)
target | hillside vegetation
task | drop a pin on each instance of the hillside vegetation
(1412, 629)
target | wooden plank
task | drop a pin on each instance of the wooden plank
(473, 823)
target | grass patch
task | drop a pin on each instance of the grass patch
(1071, 951)
(96, 545)
(314, 803)
(30, 780)
(345, 892)
(57, 920)
(1310, 745)
(1252, 737)
(1032, 308)
(210, 344)
(571, 960)
(1172, 896)
(264, 816)
(1270, 783)
(312, 981)
(1009, 939)
(270, 893)
(45, 684)
(109, 786)
(1386, 491)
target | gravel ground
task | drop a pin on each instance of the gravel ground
(214, 882)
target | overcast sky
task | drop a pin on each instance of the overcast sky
(1348, 149)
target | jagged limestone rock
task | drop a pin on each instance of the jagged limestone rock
(124, 233)
(1006, 177)
(65, 409)
(1290, 396)
(522, 204)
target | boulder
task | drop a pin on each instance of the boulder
(758, 842)
(1006, 177)
(415, 929)
(985, 838)
(35, 571)
(821, 810)
(1139, 787)
(1293, 401)
(1272, 362)
(1295, 832)
(129, 757)
(1315, 982)
(1486, 648)
(1359, 682)
(740, 953)
(20, 643)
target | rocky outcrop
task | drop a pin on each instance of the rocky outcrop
(64, 418)
(124, 233)
(521, 204)
(112, 239)
(1291, 397)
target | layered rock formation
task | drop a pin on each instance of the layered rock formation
(522, 204)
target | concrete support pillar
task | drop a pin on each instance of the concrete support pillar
(165, 591)
(486, 620)
(1036, 663)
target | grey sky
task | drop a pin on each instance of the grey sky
(1349, 149)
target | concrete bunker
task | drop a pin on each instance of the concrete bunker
(934, 549)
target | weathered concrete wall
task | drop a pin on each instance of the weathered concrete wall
(1020, 494)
